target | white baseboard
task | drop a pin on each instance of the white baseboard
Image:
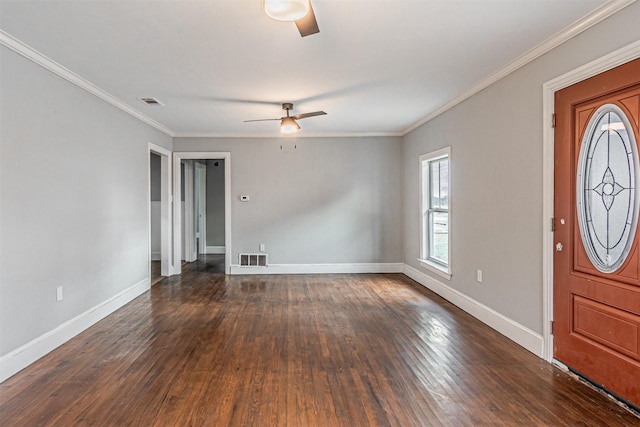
(20, 358)
(522, 335)
(214, 250)
(319, 268)
(156, 256)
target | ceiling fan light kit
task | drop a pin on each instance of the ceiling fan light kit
(288, 124)
(286, 10)
(298, 11)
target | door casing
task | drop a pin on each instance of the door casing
(166, 258)
(177, 214)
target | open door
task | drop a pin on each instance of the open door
(201, 206)
(597, 258)
(189, 249)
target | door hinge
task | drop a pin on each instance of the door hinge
(553, 120)
(553, 224)
(551, 327)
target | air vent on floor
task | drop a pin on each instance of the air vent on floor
(253, 260)
(151, 101)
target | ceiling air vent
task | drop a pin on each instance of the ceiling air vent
(151, 101)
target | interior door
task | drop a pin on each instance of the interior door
(201, 205)
(597, 260)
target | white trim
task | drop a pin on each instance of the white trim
(214, 250)
(516, 332)
(177, 222)
(395, 267)
(554, 41)
(274, 134)
(612, 60)
(442, 270)
(156, 256)
(57, 69)
(20, 358)
(166, 265)
(434, 268)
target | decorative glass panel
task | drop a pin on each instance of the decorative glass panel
(606, 185)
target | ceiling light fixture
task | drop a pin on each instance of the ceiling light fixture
(288, 125)
(286, 10)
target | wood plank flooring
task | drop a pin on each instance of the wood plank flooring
(203, 349)
(155, 272)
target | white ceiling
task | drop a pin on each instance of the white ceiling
(376, 67)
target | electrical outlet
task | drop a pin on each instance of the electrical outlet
(262, 247)
(479, 276)
(59, 293)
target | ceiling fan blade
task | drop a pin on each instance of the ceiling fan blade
(308, 25)
(261, 120)
(305, 115)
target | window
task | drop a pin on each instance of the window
(435, 214)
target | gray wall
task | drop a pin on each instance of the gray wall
(156, 178)
(215, 203)
(496, 173)
(330, 200)
(74, 212)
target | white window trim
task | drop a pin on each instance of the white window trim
(439, 269)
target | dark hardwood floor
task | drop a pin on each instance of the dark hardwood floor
(203, 349)
(155, 272)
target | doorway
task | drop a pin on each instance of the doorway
(160, 214)
(596, 275)
(204, 212)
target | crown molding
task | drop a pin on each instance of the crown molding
(554, 41)
(292, 136)
(52, 66)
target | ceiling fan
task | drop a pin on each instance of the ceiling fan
(288, 123)
(299, 11)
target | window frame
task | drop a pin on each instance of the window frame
(426, 210)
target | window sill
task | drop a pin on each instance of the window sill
(435, 268)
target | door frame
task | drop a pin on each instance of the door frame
(177, 214)
(166, 259)
(600, 65)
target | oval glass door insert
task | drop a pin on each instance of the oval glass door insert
(606, 184)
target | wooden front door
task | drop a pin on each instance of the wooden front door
(597, 259)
